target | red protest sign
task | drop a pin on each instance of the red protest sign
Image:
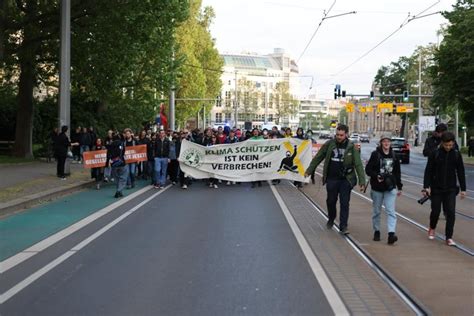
(94, 159)
(135, 153)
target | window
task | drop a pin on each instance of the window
(230, 82)
(228, 117)
(218, 117)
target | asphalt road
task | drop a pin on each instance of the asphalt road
(203, 251)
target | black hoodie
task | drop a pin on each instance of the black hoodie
(379, 164)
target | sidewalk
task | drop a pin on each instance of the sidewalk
(27, 184)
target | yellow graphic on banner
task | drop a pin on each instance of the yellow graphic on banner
(350, 107)
(299, 150)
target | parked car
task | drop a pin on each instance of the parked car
(401, 148)
(355, 138)
(364, 138)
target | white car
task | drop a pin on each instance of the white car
(355, 138)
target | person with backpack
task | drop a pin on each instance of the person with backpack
(116, 160)
(341, 164)
(383, 168)
(445, 168)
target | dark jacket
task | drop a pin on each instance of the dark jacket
(161, 148)
(61, 145)
(432, 143)
(443, 170)
(114, 150)
(86, 139)
(384, 165)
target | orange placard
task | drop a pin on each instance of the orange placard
(94, 159)
(135, 153)
(315, 149)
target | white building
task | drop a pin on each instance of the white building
(255, 78)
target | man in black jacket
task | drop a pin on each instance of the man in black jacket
(162, 153)
(443, 170)
(115, 156)
(61, 147)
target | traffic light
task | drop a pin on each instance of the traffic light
(372, 95)
(405, 95)
(343, 93)
(335, 93)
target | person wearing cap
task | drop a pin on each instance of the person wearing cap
(383, 168)
(341, 165)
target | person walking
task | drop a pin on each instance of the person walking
(61, 148)
(132, 167)
(256, 136)
(98, 173)
(383, 168)
(470, 145)
(341, 164)
(444, 169)
(161, 153)
(116, 160)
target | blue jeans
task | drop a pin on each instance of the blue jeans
(121, 174)
(83, 149)
(388, 199)
(131, 173)
(338, 188)
(161, 166)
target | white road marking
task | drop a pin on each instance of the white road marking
(36, 275)
(329, 291)
(11, 262)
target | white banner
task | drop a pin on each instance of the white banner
(251, 160)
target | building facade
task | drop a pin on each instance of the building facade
(257, 90)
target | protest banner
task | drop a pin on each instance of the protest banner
(135, 153)
(94, 159)
(251, 160)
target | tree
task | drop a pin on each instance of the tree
(453, 71)
(115, 44)
(248, 98)
(200, 63)
(285, 104)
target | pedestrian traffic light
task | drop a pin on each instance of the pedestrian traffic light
(343, 93)
(372, 95)
(405, 95)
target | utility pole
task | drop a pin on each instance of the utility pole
(172, 101)
(419, 99)
(266, 103)
(65, 65)
(65, 72)
(456, 123)
(236, 118)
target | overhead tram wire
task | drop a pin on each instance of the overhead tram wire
(404, 23)
(316, 31)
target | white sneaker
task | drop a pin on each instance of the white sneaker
(220, 181)
(215, 186)
(184, 186)
(228, 183)
(210, 185)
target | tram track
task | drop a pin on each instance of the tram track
(399, 290)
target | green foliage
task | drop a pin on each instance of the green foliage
(199, 62)
(454, 68)
(285, 103)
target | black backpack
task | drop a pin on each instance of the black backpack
(116, 153)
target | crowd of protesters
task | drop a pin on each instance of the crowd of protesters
(343, 167)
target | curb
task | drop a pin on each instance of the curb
(20, 204)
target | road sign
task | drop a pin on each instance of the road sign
(404, 109)
(350, 107)
(427, 123)
(385, 107)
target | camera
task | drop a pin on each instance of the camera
(387, 180)
(346, 170)
(423, 199)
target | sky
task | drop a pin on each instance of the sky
(259, 26)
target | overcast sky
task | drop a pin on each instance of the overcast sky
(261, 25)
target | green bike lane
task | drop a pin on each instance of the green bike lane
(22, 230)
